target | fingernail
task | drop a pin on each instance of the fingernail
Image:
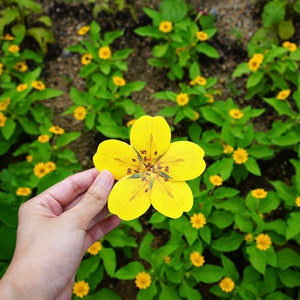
(105, 179)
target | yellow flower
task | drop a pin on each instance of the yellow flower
(198, 220)
(81, 288)
(142, 280)
(21, 66)
(236, 113)
(201, 36)
(210, 98)
(119, 81)
(226, 284)
(1, 68)
(83, 30)
(44, 138)
(50, 166)
(240, 156)
(263, 242)
(248, 237)
(23, 191)
(258, 57)
(57, 130)
(104, 52)
(2, 119)
(29, 158)
(167, 259)
(227, 149)
(4, 104)
(86, 59)
(182, 99)
(282, 95)
(297, 201)
(216, 180)
(130, 123)
(22, 87)
(40, 170)
(39, 85)
(8, 37)
(200, 80)
(150, 171)
(291, 46)
(197, 259)
(79, 113)
(13, 48)
(259, 193)
(255, 62)
(95, 248)
(165, 26)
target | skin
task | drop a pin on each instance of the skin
(55, 230)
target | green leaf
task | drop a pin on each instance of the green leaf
(212, 115)
(8, 128)
(103, 294)
(289, 278)
(122, 54)
(160, 50)
(254, 79)
(42, 36)
(225, 192)
(87, 267)
(148, 31)
(67, 138)
(284, 192)
(113, 131)
(45, 94)
(129, 271)
(244, 222)
(287, 257)
(241, 69)
(208, 273)
(293, 227)
(252, 166)
(221, 219)
(273, 13)
(188, 292)
(130, 87)
(257, 261)
(281, 106)
(173, 10)
(286, 29)
(194, 70)
(148, 293)
(8, 242)
(108, 256)
(165, 95)
(168, 111)
(208, 50)
(110, 36)
(229, 267)
(117, 239)
(229, 242)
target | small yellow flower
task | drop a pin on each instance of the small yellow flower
(130, 123)
(119, 81)
(8, 37)
(95, 248)
(258, 57)
(38, 85)
(23, 191)
(1, 68)
(248, 237)
(216, 180)
(263, 242)
(226, 284)
(201, 36)
(198, 220)
(2, 119)
(142, 280)
(297, 201)
(40, 170)
(57, 130)
(79, 113)
(180, 49)
(13, 48)
(200, 80)
(81, 288)
(21, 66)
(104, 52)
(29, 158)
(22, 87)
(255, 62)
(165, 26)
(259, 193)
(4, 104)
(44, 138)
(227, 149)
(197, 259)
(291, 46)
(86, 58)
(182, 99)
(50, 166)
(210, 98)
(196, 115)
(236, 113)
(83, 30)
(167, 259)
(282, 95)
(240, 156)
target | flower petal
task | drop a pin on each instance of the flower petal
(171, 198)
(129, 198)
(117, 157)
(150, 137)
(183, 161)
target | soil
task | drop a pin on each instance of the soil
(236, 21)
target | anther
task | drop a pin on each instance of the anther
(129, 170)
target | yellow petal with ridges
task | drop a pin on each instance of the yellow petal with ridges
(117, 157)
(129, 198)
(171, 198)
(150, 137)
(183, 161)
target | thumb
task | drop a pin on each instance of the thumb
(94, 199)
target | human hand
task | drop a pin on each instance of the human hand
(55, 229)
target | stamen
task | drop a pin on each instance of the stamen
(129, 170)
(133, 159)
(155, 153)
(146, 190)
(166, 169)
